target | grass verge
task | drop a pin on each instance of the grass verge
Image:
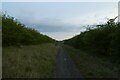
(35, 61)
(93, 66)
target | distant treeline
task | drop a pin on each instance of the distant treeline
(16, 33)
(103, 39)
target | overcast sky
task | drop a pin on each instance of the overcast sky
(59, 0)
(61, 20)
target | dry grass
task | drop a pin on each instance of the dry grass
(0, 53)
(0, 62)
(35, 61)
(92, 66)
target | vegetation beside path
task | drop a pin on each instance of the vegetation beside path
(17, 34)
(33, 61)
(103, 40)
(92, 66)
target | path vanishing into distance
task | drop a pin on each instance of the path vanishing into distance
(65, 67)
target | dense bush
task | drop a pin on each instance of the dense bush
(16, 33)
(103, 39)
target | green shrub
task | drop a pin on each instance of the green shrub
(14, 33)
(103, 39)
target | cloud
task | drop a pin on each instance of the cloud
(60, 23)
(61, 29)
(60, 0)
(49, 24)
(94, 17)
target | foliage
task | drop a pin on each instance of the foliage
(104, 39)
(16, 33)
